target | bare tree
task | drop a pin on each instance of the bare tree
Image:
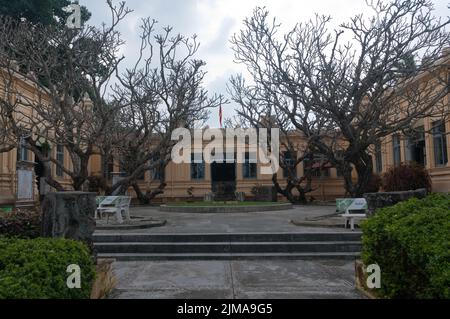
(55, 80)
(353, 78)
(8, 140)
(163, 91)
(261, 108)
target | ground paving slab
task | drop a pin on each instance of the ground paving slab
(284, 279)
(234, 279)
(256, 222)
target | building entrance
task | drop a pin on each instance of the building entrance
(223, 179)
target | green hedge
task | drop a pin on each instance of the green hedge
(411, 243)
(36, 268)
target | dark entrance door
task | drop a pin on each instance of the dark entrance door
(223, 179)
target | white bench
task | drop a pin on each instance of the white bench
(113, 205)
(347, 205)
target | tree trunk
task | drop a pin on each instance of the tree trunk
(140, 195)
(53, 183)
(282, 191)
(80, 173)
(77, 183)
(287, 191)
(302, 195)
(364, 169)
(145, 199)
(79, 180)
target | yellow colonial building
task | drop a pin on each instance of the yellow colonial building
(430, 148)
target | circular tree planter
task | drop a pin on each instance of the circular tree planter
(136, 222)
(225, 208)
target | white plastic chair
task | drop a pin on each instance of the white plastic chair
(110, 205)
(124, 205)
(357, 204)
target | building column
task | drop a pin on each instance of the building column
(428, 144)
(2, 163)
(384, 156)
(402, 149)
(389, 152)
(12, 159)
(447, 131)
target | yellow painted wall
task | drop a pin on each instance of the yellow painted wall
(178, 176)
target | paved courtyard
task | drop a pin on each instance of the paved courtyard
(238, 278)
(258, 222)
(286, 279)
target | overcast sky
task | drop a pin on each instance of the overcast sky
(215, 21)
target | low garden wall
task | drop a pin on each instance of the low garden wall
(226, 209)
(105, 280)
(386, 199)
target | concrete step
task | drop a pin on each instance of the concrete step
(232, 247)
(131, 246)
(228, 237)
(229, 256)
(224, 247)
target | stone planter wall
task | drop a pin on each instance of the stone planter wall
(69, 215)
(226, 209)
(360, 280)
(385, 199)
(105, 281)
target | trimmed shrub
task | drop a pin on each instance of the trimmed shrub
(406, 177)
(411, 243)
(374, 184)
(21, 224)
(36, 268)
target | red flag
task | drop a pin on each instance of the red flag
(220, 115)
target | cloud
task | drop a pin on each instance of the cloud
(219, 85)
(220, 43)
(214, 21)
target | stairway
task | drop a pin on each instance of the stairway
(232, 246)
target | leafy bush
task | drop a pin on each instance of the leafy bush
(20, 223)
(411, 243)
(406, 177)
(374, 184)
(36, 268)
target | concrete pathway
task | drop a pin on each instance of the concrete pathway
(287, 279)
(259, 222)
(235, 279)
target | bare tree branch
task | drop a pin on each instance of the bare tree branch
(345, 96)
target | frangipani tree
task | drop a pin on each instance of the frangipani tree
(374, 75)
